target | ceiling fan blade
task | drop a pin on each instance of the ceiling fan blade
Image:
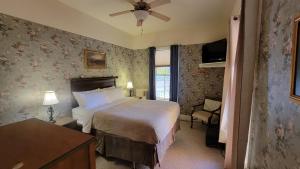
(132, 2)
(139, 23)
(157, 3)
(160, 16)
(120, 13)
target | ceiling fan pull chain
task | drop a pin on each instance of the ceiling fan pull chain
(142, 30)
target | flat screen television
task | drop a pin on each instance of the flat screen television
(214, 51)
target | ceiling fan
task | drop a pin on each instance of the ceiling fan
(143, 9)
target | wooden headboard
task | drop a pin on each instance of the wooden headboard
(85, 84)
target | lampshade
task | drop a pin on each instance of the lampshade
(129, 85)
(50, 98)
(141, 15)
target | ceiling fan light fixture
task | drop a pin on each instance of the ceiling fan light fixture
(141, 15)
(142, 9)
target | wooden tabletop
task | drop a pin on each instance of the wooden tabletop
(35, 143)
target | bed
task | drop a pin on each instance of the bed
(130, 129)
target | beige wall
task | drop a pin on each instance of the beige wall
(237, 7)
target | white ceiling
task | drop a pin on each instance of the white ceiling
(185, 14)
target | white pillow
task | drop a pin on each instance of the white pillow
(90, 99)
(114, 94)
(211, 105)
(79, 96)
(93, 100)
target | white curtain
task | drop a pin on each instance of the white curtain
(230, 73)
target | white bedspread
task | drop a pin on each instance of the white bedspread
(140, 120)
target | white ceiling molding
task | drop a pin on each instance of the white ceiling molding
(192, 21)
(183, 14)
(55, 14)
(183, 37)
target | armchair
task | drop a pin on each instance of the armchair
(206, 112)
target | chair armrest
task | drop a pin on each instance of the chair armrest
(213, 112)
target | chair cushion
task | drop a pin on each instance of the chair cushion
(202, 115)
(211, 105)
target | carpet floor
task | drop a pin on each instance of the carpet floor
(188, 152)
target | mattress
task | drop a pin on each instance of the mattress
(84, 115)
(77, 114)
(139, 120)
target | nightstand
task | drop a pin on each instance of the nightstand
(67, 122)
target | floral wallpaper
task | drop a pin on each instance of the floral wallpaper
(196, 83)
(275, 128)
(35, 58)
(140, 64)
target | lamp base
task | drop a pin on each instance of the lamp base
(51, 112)
(130, 92)
(52, 121)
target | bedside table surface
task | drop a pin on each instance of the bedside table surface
(29, 142)
(64, 120)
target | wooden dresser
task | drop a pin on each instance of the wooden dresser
(34, 144)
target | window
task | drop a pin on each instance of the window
(162, 74)
(162, 82)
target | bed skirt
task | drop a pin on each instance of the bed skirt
(110, 145)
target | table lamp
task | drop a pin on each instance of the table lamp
(49, 100)
(130, 87)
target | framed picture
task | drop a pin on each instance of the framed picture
(295, 73)
(94, 59)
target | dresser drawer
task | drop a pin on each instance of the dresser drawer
(81, 158)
